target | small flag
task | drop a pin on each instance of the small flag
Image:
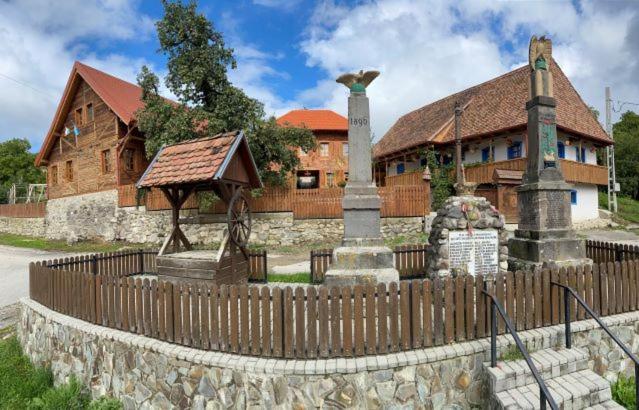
(76, 131)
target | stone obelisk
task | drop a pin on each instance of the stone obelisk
(545, 235)
(362, 258)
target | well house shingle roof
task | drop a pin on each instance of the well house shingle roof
(494, 106)
(189, 162)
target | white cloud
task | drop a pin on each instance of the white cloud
(278, 4)
(427, 50)
(40, 40)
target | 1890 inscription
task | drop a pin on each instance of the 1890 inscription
(474, 253)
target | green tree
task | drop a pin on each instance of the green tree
(17, 166)
(626, 134)
(198, 60)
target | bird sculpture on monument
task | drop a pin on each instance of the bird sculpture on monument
(357, 82)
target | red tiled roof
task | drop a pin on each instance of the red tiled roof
(122, 97)
(190, 161)
(316, 120)
(494, 106)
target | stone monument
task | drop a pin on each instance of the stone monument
(362, 258)
(467, 235)
(545, 235)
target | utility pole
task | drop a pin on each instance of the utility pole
(610, 157)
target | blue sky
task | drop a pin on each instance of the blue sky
(290, 51)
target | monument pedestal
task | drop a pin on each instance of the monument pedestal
(544, 237)
(362, 259)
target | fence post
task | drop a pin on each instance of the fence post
(312, 268)
(265, 266)
(567, 318)
(141, 256)
(94, 264)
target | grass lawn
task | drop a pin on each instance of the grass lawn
(24, 386)
(628, 208)
(60, 245)
(301, 277)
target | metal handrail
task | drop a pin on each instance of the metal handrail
(495, 306)
(570, 291)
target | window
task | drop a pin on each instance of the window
(561, 148)
(573, 197)
(69, 171)
(78, 117)
(89, 112)
(345, 149)
(106, 161)
(485, 154)
(400, 168)
(580, 154)
(329, 179)
(129, 159)
(324, 149)
(514, 151)
(53, 177)
(423, 162)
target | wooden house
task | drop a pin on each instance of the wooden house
(494, 141)
(327, 165)
(93, 143)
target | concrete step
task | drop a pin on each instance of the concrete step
(607, 405)
(578, 390)
(549, 362)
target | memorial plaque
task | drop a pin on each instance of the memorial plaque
(473, 253)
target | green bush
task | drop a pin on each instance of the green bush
(623, 391)
(24, 386)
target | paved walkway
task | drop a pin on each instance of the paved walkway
(14, 271)
(611, 235)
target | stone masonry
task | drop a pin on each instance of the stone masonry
(144, 372)
(480, 215)
(97, 216)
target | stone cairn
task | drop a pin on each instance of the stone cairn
(467, 213)
(460, 213)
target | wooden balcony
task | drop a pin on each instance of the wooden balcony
(574, 172)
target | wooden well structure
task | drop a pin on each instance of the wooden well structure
(224, 165)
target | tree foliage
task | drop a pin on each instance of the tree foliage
(198, 60)
(17, 166)
(441, 181)
(626, 134)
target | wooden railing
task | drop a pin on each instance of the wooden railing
(397, 201)
(604, 252)
(408, 178)
(311, 322)
(32, 210)
(573, 171)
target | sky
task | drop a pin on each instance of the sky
(289, 52)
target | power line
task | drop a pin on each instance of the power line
(27, 85)
(622, 103)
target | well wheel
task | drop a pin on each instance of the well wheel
(239, 219)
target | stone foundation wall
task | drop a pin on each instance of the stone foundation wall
(79, 217)
(144, 372)
(97, 216)
(23, 226)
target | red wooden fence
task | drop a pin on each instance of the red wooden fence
(32, 210)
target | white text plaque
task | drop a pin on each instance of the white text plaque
(473, 253)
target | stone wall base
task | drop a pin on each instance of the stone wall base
(96, 216)
(144, 372)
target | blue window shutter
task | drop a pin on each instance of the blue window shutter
(400, 168)
(562, 149)
(573, 197)
(514, 151)
(583, 155)
(485, 154)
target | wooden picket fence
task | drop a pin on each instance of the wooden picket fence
(311, 322)
(397, 201)
(601, 252)
(31, 210)
(411, 261)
